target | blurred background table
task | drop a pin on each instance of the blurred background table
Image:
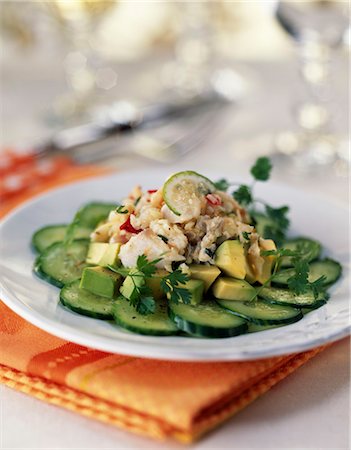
(139, 45)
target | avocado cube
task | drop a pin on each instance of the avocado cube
(269, 260)
(154, 284)
(251, 275)
(227, 288)
(203, 272)
(230, 258)
(196, 289)
(103, 254)
(260, 272)
(130, 283)
(100, 281)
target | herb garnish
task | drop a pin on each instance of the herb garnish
(298, 282)
(278, 222)
(243, 195)
(170, 285)
(134, 287)
(135, 290)
(261, 170)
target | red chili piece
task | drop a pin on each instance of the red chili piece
(214, 199)
(127, 226)
(152, 191)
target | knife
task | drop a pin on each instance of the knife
(122, 117)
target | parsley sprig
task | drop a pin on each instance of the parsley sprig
(171, 285)
(299, 281)
(278, 222)
(135, 289)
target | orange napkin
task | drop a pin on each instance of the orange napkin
(160, 399)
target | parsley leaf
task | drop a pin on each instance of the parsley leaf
(298, 282)
(148, 268)
(261, 169)
(280, 252)
(137, 293)
(222, 184)
(170, 286)
(146, 305)
(135, 290)
(243, 195)
(274, 233)
(278, 224)
(120, 270)
(279, 216)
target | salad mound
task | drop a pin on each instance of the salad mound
(190, 256)
(146, 225)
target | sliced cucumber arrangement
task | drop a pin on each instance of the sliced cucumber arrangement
(280, 296)
(262, 313)
(46, 236)
(93, 213)
(310, 249)
(181, 187)
(195, 266)
(156, 324)
(328, 267)
(85, 302)
(206, 319)
(61, 264)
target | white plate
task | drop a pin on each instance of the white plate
(37, 301)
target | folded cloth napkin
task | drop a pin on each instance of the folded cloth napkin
(160, 399)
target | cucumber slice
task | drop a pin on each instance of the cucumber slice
(85, 302)
(46, 236)
(279, 296)
(61, 264)
(262, 313)
(156, 324)
(93, 213)
(182, 187)
(311, 249)
(328, 267)
(206, 320)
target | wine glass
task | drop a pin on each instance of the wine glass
(318, 28)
